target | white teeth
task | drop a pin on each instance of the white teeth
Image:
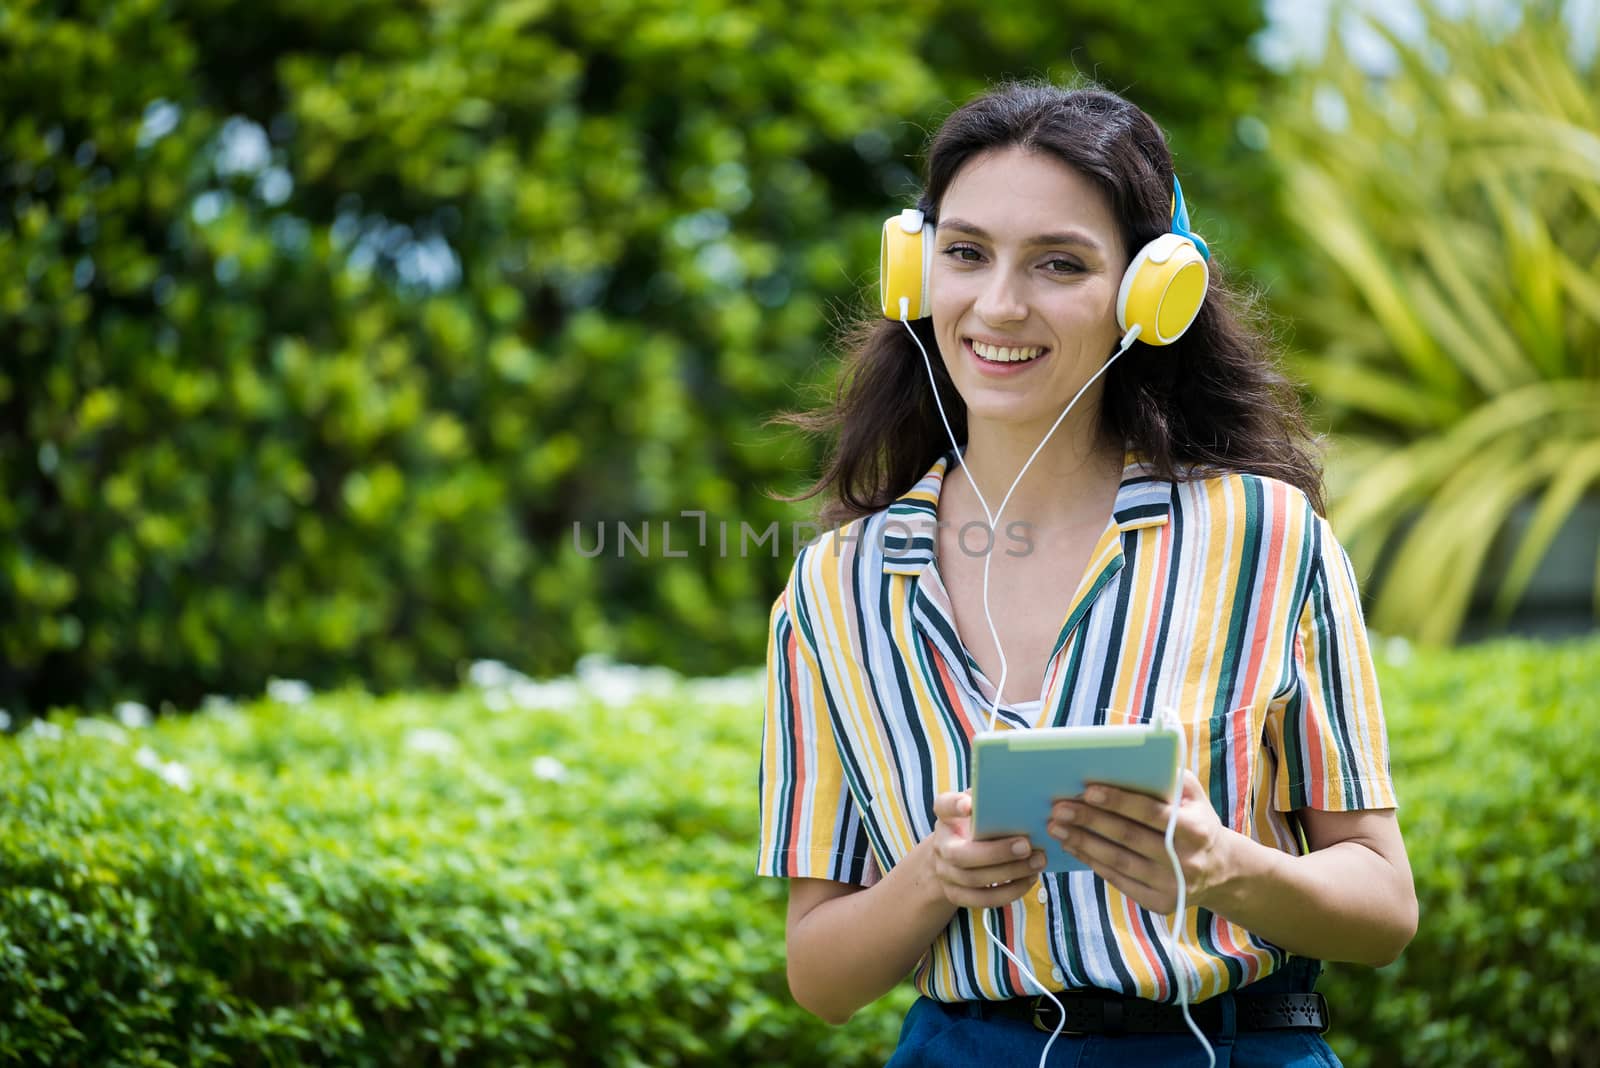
(999, 355)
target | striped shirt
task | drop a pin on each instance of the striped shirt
(1224, 598)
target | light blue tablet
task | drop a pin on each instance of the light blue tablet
(1018, 774)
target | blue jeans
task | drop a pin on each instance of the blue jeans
(940, 1034)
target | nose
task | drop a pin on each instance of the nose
(1000, 301)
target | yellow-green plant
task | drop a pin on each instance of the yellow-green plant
(1449, 315)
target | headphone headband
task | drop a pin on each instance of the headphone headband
(1180, 218)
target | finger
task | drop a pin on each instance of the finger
(955, 872)
(1116, 857)
(983, 878)
(951, 813)
(1193, 790)
(1137, 837)
(981, 852)
(953, 805)
(1150, 897)
(988, 897)
(1150, 811)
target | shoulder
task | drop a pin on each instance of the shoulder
(1248, 502)
(814, 557)
(829, 569)
(1257, 524)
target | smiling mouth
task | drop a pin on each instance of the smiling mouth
(998, 354)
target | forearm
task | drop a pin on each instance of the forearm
(1345, 902)
(851, 950)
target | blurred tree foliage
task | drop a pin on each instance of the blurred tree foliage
(325, 322)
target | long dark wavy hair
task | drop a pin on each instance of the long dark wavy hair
(1212, 401)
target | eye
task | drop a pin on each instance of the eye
(1067, 266)
(955, 252)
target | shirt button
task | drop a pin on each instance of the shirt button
(1055, 974)
(1043, 897)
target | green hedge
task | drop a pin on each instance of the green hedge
(1494, 749)
(557, 873)
(325, 322)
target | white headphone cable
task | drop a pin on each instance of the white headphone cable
(1180, 970)
(994, 709)
(994, 632)
(994, 517)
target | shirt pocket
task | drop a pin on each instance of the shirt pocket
(1224, 752)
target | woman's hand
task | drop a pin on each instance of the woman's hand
(1122, 836)
(978, 874)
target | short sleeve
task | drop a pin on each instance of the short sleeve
(810, 824)
(1327, 727)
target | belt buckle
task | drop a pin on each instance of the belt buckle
(1041, 1008)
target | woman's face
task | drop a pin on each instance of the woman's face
(1027, 263)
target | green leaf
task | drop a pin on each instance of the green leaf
(1574, 472)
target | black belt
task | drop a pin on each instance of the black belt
(1110, 1014)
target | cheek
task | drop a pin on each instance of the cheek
(948, 291)
(1089, 310)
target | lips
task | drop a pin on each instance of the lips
(1020, 363)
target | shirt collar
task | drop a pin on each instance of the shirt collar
(1143, 500)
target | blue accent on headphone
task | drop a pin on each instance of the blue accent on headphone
(1180, 219)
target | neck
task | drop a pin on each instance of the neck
(1063, 485)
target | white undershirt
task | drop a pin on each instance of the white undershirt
(1028, 710)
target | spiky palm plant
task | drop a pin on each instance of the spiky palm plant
(1449, 316)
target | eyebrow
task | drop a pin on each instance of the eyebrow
(1064, 237)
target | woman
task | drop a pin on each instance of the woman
(1165, 550)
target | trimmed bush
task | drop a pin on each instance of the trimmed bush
(558, 873)
(530, 874)
(1494, 749)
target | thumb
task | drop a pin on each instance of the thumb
(954, 808)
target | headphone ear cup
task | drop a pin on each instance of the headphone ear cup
(905, 262)
(1163, 289)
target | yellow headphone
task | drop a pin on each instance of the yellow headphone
(1161, 293)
